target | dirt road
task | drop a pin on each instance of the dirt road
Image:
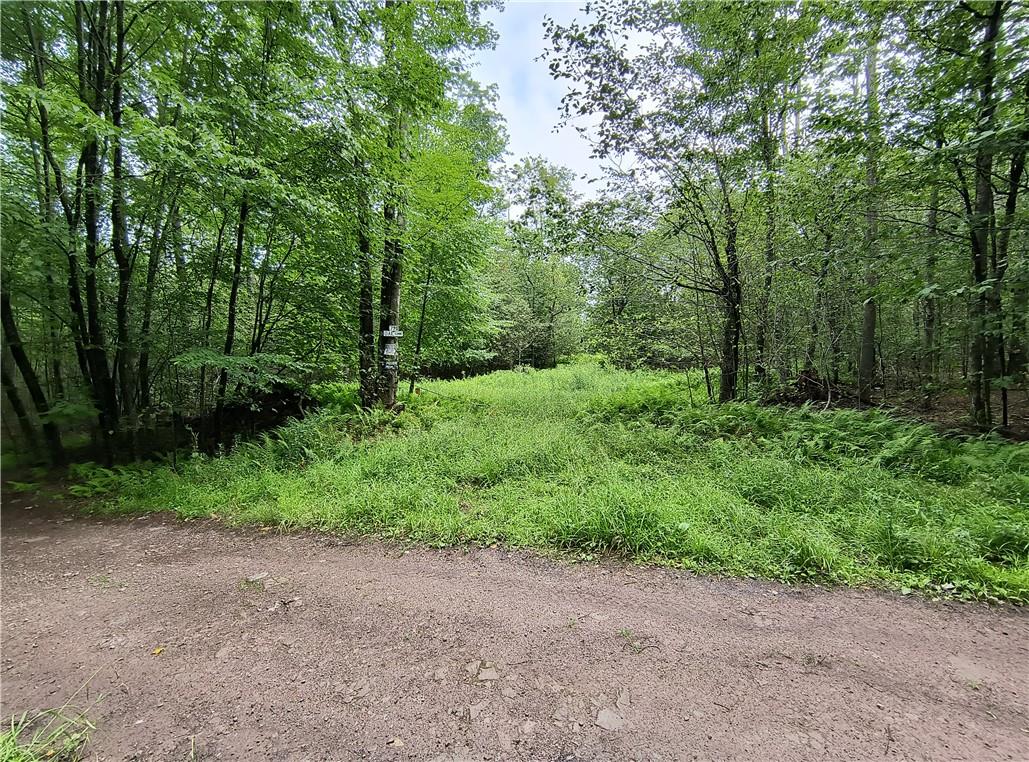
(250, 645)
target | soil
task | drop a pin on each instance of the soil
(195, 641)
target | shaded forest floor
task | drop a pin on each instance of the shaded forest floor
(949, 412)
(195, 641)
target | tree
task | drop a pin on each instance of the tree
(247, 158)
(539, 275)
(696, 107)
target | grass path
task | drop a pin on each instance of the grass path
(593, 460)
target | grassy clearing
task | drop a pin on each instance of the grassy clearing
(594, 460)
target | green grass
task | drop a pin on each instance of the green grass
(54, 736)
(594, 460)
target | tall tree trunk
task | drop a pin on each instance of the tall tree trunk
(810, 355)
(1018, 357)
(119, 238)
(230, 327)
(95, 90)
(1019, 349)
(28, 374)
(764, 327)
(56, 372)
(158, 236)
(24, 422)
(208, 318)
(393, 216)
(999, 263)
(421, 329)
(930, 351)
(367, 370)
(866, 359)
(263, 293)
(732, 303)
(982, 224)
(389, 304)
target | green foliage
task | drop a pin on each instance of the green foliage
(339, 394)
(537, 284)
(16, 486)
(871, 438)
(92, 480)
(256, 372)
(249, 153)
(590, 460)
(53, 736)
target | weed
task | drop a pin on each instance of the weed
(93, 480)
(52, 735)
(251, 585)
(16, 486)
(102, 581)
(633, 642)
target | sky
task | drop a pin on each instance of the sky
(529, 98)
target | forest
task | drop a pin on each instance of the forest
(223, 218)
(342, 420)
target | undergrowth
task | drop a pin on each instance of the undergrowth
(591, 460)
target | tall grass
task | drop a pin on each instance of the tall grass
(593, 460)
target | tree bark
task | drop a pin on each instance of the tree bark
(999, 260)
(763, 328)
(230, 328)
(866, 359)
(32, 385)
(24, 422)
(421, 328)
(389, 304)
(367, 370)
(393, 247)
(810, 354)
(930, 350)
(95, 89)
(208, 318)
(1018, 358)
(234, 293)
(119, 239)
(732, 301)
(981, 224)
(158, 234)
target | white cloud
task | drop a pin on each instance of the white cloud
(529, 98)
